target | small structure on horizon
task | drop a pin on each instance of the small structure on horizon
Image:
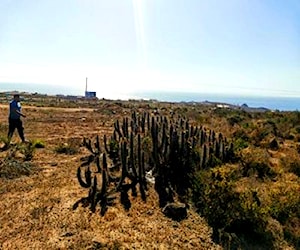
(89, 94)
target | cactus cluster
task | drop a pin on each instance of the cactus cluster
(96, 180)
(171, 148)
(179, 150)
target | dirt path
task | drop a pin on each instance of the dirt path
(26, 107)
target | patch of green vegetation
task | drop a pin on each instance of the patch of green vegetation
(65, 148)
(240, 144)
(295, 168)
(12, 167)
(27, 149)
(256, 162)
(37, 143)
(236, 119)
(297, 129)
(239, 214)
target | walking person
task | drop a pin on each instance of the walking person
(14, 118)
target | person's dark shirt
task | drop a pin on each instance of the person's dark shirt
(13, 106)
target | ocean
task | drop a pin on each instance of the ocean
(273, 103)
(270, 102)
(39, 88)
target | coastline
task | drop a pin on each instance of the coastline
(265, 102)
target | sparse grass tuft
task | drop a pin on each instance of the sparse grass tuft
(4, 143)
(65, 148)
(12, 167)
(37, 143)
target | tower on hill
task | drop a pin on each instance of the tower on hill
(88, 94)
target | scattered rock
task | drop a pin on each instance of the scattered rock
(67, 234)
(273, 144)
(53, 164)
(149, 177)
(175, 211)
(150, 212)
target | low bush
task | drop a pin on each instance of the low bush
(297, 129)
(285, 208)
(37, 143)
(240, 144)
(65, 148)
(27, 150)
(236, 119)
(12, 167)
(229, 211)
(291, 230)
(295, 168)
(292, 162)
(255, 162)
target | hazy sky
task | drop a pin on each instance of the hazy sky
(218, 46)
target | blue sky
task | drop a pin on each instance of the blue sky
(243, 47)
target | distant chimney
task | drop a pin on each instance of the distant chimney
(86, 84)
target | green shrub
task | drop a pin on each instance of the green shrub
(27, 150)
(240, 144)
(292, 162)
(295, 168)
(292, 232)
(12, 167)
(297, 128)
(65, 148)
(5, 143)
(213, 195)
(285, 204)
(228, 211)
(241, 133)
(256, 162)
(236, 119)
(37, 143)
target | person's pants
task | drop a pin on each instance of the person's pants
(15, 124)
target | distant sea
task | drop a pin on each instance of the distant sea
(270, 102)
(273, 103)
(39, 88)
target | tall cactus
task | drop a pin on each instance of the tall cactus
(141, 172)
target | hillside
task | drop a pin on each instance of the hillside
(250, 201)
